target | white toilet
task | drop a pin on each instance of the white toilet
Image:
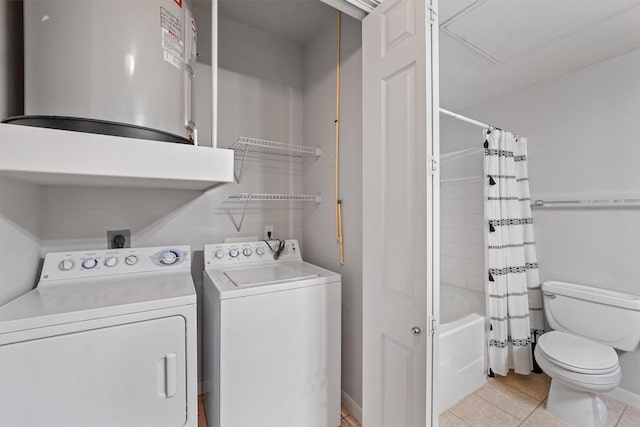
(579, 353)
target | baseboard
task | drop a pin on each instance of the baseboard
(624, 396)
(202, 386)
(352, 406)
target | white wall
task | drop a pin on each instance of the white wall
(320, 246)
(583, 132)
(11, 58)
(20, 230)
(250, 104)
(20, 207)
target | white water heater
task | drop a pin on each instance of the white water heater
(118, 67)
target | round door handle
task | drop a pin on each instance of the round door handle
(416, 330)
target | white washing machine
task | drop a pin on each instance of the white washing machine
(107, 338)
(271, 338)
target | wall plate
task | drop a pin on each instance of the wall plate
(111, 235)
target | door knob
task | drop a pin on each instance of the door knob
(416, 330)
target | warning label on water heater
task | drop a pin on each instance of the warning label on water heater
(172, 44)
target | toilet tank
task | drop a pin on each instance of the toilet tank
(608, 317)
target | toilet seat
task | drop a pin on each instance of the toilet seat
(582, 364)
(578, 355)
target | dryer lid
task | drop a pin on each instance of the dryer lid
(81, 300)
(577, 354)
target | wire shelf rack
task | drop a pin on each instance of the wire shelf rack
(254, 145)
(256, 197)
(246, 145)
(276, 197)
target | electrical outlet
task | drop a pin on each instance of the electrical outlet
(114, 238)
(268, 229)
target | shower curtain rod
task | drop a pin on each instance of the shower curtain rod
(469, 120)
(465, 119)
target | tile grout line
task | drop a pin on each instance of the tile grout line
(529, 416)
(523, 391)
(458, 418)
(491, 403)
(621, 414)
(510, 387)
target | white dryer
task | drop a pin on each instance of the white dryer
(107, 338)
(271, 334)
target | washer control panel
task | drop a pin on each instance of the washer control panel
(250, 252)
(70, 265)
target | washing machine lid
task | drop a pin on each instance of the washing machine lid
(260, 276)
(247, 280)
(578, 354)
(81, 300)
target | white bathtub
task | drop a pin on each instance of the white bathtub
(462, 364)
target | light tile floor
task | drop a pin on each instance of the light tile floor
(520, 400)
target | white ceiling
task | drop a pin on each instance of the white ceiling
(295, 20)
(488, 48)
(492, 47)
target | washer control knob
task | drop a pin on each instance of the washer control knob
(89, 263)
(247, 252)
(169, 258)
(219, 254)
(111, 261)
(66, 265)
(130, 259)
(233, 253)
(260, 251)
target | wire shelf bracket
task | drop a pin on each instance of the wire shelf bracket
(255, 197)
(246, 145)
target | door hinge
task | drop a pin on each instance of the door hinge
(433, 166)
(433, 325)
(433, 15)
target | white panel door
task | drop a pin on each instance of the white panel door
(132, 375)
(398, 218)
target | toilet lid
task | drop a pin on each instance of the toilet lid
(577, 354)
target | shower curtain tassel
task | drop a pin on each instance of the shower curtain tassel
(486, 143)
(491, 180)
(492, 228)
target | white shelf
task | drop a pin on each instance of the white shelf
(57, 157)
(254, 145)
(244, 145)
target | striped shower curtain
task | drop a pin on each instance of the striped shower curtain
(513, 286)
